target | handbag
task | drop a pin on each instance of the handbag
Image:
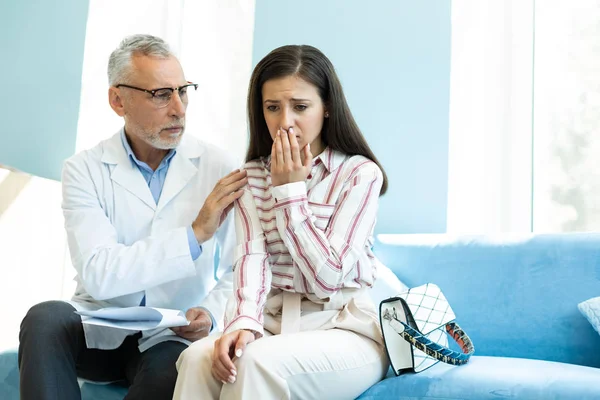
(415, 327)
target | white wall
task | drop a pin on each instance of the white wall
(32, 249)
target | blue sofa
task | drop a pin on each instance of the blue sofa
(516, 296)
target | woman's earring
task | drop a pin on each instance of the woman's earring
(326, 114)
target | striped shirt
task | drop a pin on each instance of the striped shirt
(313, 237)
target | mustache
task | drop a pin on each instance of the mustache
(175, 124)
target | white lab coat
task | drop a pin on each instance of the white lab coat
(123, 245)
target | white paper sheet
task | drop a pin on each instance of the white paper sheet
(134, 318)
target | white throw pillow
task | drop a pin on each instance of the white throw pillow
(591, 310)
(386, 285)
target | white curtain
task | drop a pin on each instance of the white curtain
(213, 40)
(490, 138)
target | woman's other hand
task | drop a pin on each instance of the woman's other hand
(226, 348)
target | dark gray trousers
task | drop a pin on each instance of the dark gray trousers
(53, 353)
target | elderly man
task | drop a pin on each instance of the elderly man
(145, 212)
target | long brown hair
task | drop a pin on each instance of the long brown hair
(340, 132)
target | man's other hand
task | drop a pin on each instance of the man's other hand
(199, 327)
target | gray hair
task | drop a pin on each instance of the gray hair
(119, 62)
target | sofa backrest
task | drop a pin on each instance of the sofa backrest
(516, 296)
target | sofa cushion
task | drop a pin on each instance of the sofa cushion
(9, 375)
(91, 391)
(591, 310)
(493, 378)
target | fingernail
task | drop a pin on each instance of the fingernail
(231, 379)
(233, 372)
(291, 130)
(238, 353)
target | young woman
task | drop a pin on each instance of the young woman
(300, 323)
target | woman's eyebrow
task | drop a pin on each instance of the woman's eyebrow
(292, 99)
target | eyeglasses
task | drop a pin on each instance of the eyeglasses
(161, 97)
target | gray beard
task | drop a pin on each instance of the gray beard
(156, 141)
(164, 144)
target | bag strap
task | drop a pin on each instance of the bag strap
(431, 348)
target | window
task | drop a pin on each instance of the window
(524, 116)
(566, 195)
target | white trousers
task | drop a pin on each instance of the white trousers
(318, 364)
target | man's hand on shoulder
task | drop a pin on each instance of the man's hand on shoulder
(199, 327)
(218, 204)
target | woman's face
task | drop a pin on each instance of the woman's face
(291, 102)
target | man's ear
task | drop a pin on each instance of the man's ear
(116, 101)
